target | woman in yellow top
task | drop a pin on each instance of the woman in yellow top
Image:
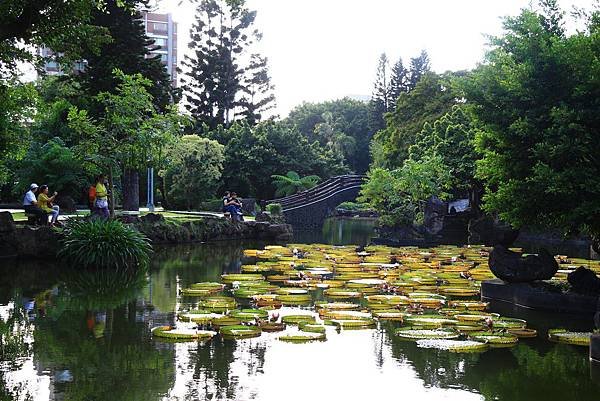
(45, 203)
(101, 197)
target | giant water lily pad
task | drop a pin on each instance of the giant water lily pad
(237, 332)
(303, 337)
(570, 337)
(495, 339)
(419, 333)
(175, 333)
(466, 346)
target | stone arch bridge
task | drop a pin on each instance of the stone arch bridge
(309, 209)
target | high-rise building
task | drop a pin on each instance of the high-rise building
(160, 28)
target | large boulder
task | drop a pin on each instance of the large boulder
(584, 281)
(512, 267)
(7, 223)
(66, 203)
(40, 242)
(490, 231)
(433, 220)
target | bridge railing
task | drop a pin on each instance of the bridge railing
(320, 192)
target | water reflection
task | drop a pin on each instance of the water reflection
(88, 338)
(340, 231)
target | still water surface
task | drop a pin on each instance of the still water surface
(80, 335)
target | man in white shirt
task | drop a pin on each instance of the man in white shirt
(31, 207)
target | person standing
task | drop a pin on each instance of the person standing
(102, 197)
(45, 203)
(30, 205)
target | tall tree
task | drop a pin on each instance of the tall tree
(380, 99)
(128, 133)
(537, 96)
(224, 79)
(419, 66)
(65, 26)
(349, 117)
(398, 83)
(258, 96)
(128, 51)
(432, 97)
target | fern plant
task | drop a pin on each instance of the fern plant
(103, 244)
(292, 183)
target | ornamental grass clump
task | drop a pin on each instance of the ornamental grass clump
(104, 244)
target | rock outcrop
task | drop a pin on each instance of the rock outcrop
(512, 267)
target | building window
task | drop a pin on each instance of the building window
(164, 58)
(160, 42)
(52, 65)
(174, 59)
(160, 27)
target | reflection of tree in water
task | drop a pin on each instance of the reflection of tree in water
(14, 347)
(534, 369)
(190, 264)
(561, 373)
(92, 334)
(211, 364)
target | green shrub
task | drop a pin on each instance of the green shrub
(215, 205)
(354, 206)
(274, 208)
(101, 243)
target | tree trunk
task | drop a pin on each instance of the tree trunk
(111, 192)
(131, 190)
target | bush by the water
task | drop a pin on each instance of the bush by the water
(353, 206)
(101, 243)
(274, 208)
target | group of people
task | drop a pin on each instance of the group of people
(98, 197)
(41, 206)
(38, 203)
(232, 205)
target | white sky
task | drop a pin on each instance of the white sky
(327, 49)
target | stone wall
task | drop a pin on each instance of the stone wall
(44, 242)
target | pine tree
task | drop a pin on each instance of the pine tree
(128, 51)
(398, 83)
(380, 99)
(418, 67)
(258, 91)
(223, 80)
(551, 17)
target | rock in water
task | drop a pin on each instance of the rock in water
(584, 281)
(512, 267)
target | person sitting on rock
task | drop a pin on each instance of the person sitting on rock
(45, 203)
(30, 204)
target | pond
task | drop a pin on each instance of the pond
(85, 335)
